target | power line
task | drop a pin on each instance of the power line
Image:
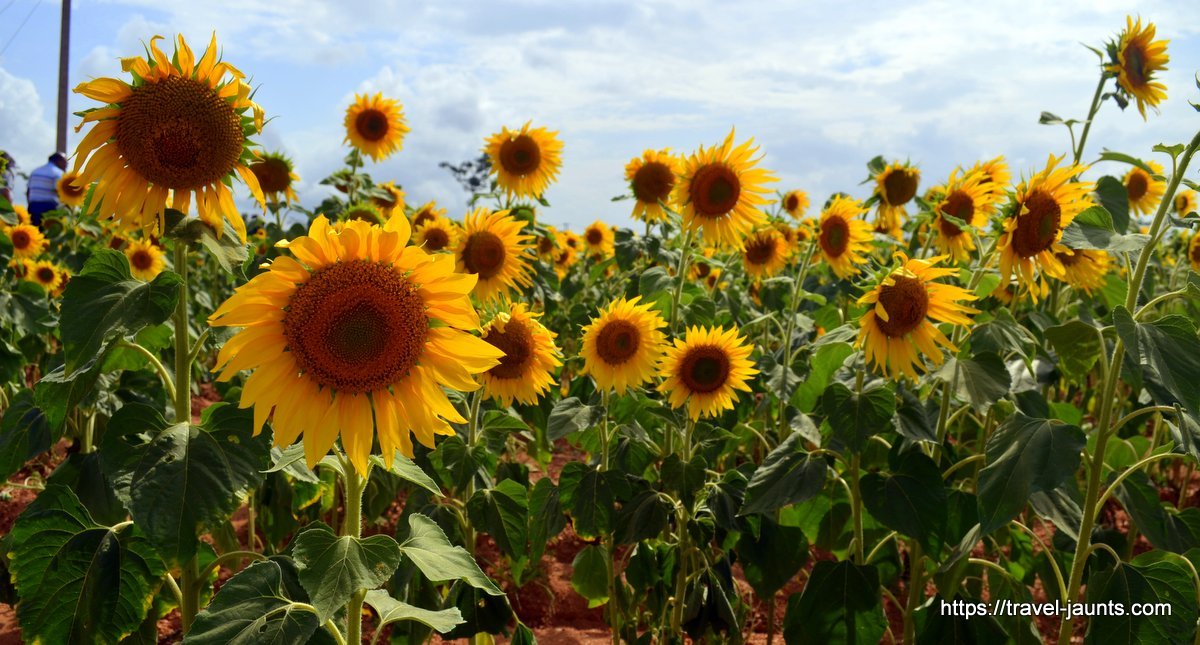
(20, 26)
(10, 3)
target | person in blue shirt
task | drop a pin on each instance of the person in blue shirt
(42, 192)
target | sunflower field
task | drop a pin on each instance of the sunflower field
(951, 409)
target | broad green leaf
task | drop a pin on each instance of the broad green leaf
(643, 517)
(1061, 506)
(1091, 230)
(409, 471)
(569, 416)
(840, 604)
(686, 481)
(1120, 157)
(825, 362)
(788, 475)
(911, 499)
(1077, 345)
(24, 433)
(590, 576)
(79, 581)
(291, 461)
(503, 511)
(391, 611)
(938, 622)
(915, 420)
(855, 418)
(429, 548)
(84, 475)
(772, 556)
(1002, 334)
(1167, 353)
(1154, 577)
(546, 519)
(105, 301)
(253, 608)
(1115, 200)
(1164, 526)
(982, 379)
(181, 480)
(586, 492)
(1025, 455)
(333, 567)
(58, 394)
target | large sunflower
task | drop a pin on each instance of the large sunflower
(969, 199)
(526, 370)
(493, 248)
(895, 186)
(525, 161)
(720, 191)
(1084, 269)
(1144, 190)
(70, 191)
(705, 369)
(354, 325)
(436, 235)
(765, 252)
(1043, 206)
(843, 237)
(375, 125)
(652, 178)
(27, 240)
(622, 345)
(598, 237)
(795, 203)
(276, 177)
(1185, 203)
(897, 329)
(1136, 60)
(145, 259)
(179, 128)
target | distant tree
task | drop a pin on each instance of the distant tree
(471, 174)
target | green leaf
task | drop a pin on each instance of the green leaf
(1164, 526)
(915, 420)
(1001, 335)
(105, 301)
(503, 512)
(788, 475)
(1093, 229)
(546, 519)
(333, 567)
(1114, 198)
(24, 433)
(569, 416)
(1167, 353)
(839, 604)
(391, 611)
(590, 576)
(1154, 577)
(982, 379)
(1120, 157)
(585, 491)
(1025, 455)
(911, 499)
(654, 282)
(643, 517)
(854, 418)
(252, 609)
(429, 548)
(1049, 118)
(826, 360)
(409, 471)
(181, 480)
(1077, 345)
(79, 581)
(773, 556)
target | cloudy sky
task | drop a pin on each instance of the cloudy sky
(822, 86)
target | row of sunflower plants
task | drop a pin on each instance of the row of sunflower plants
(829, 427)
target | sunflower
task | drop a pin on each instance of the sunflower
(1043, 206)
(547, 244)
(70, 191)
(895, 186)
(493, 248)
(842, 237)
(179, 129)
(375, 125)
(622, 345)
(27, 240)
(276, 177)
(713, 279)
(145, 259)
(1185, 203)
(598, 237)
(47, 274)
(795, 203)
(704, 370)
(720, 191)
(22, 214)
(389, 198)
(1084, 269)
(530, 356)
(996, 174)
(652, 178)
(896, 330)
(791, 236)
(969, 199)
(525, 161)
(1144, 190)
(1193, 251)
(1136, 59)
(566, 255)
(354, 323)
(436, 235)
(364, 211)
(765, 252)
(425, 213)
(22, 268)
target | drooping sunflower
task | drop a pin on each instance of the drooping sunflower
(1084, 269)
(897, 330)
(895, 186)
(968, 199)
(47, 274)
(622, 345)
(795, 203)
(276, 177)
(180, 129)
(493, 248)
(27, 240)
(375, 125)
(145, 259)
(525, 161)
(652, 178)
(705, 369)
(598, 237)
(843, 237)
(1136, 60)
(1185, 202)
(765, 252)
(425, 213)
(436, 235)
(70, 191)
(526, 371)
(389, 198)
(350, 326)
(720, 191)
(1144, 190)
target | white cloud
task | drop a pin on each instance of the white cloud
(24, 131)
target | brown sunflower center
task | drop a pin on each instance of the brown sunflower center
(760, 250)
(1069, 259)
(899, 186)
(1037, 229)
(617, 341)
(715, 190)
(906, 303)
(1194, 253)
(273, 174)
(791, 203)
(21, 239)
(70, 189)
(422, 216)
(45, 275)
(959, 204)
(179, 134)
(545, 245)
(704, 369)
(356, 326)
(521, 155)
(372, 124)
(653, 182)
(1137, 185)
(703, 269)
(484, 254)
(1135, 65)
(436, 239)
(1182, 204)
(594, 236)
(141, 260)
(835, 236)
(516, 341)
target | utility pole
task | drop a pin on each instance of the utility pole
(64, 55)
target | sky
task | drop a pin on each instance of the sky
(821, 86)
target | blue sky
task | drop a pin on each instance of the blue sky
(821, 86)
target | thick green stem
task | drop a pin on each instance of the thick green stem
(784, 393)
(352, 526)
(856, 509)
(472, 436)
(916, 589)
(685, 257)
(613, 609)
(190, 580)
(1087, 125)
(683, 518)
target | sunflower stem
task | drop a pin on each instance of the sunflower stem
(797, 287)
(1087, 125)
(683, 518)
(354, 484)
(152, 358)
(685, 256)
(613, 610)
(916, 589)
(469, 491)
(190, 580)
